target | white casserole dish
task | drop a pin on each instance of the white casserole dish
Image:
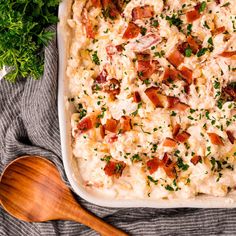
(65, 111)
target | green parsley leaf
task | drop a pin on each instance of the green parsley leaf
(188, 52)
(152, 180)
(174, 20)
(202, 7)
(181, 164)
(95, 58)
(201, 52)
(169, 188)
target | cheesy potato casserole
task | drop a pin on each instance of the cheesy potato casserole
(153, 86)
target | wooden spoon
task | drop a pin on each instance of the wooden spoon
(31, 190)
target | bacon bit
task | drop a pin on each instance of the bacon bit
(228, 54)
(142, 12)
(215, 139)
(152, 94)
(193, 44)
(113, 88)
(170, 75)
(143, 57)
(218, 30)
(175, 58)
(111, 125)
(195, 159)
(113, 168)
(110, 8)
(89, 29)
(96, 3)
(102, 131)
(217, 2)
(153, 165)
(119, 48)
(85, 124)
(169, 142)
(182, 47)
(125, 124)
(145, 69)
(180, 106)
(182, 137)
(168, 166)
(102, 78)
(112, 139)
(145, 42)
(193, 15)
(230, 91)
(230, 136)
(136, 97)
(132, 31)
(172, 101)
(187, 74)
(176, 129)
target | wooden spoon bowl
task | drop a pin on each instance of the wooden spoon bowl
(31, 190)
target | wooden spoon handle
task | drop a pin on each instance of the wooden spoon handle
(80, 215)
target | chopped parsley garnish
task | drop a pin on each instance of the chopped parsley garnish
(201, 52)
(152, 180)
(143, 31)
(136, 158)
(181, 164)
(188, 52)
(95, 58)
(106, 158)
(174, 20)
(189, 29)
(82, 112)
(155, 23)
(210, 41)
(202, 7)
(169, 188)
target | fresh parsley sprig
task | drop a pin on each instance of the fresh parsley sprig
(23, 35)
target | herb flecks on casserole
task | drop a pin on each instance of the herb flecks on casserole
(153, 84)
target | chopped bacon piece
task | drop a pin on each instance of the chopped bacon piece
(170, 75)
(112, 139)
(168, 166)
(231, 91)
(89, 29)
(169, 142)
(193, 44)
(145, 42)
(153, 165)
(217, 2)
(187, 74)
(119, 48)
(113, 87)
(114, 168)
(180, 106)
(96, 3)
(230, 136)
(102, 78)
(110, 8)
(175, 58)
(132, 31)
(176, 129)
(182, 137)
(195, 159)
(215, 139)
(142, 12)
(187, 88)
(219, 30)
(153, 95)
(143, 57)
(136, 97)
(182, 47)
(172, 101)
(85, 124)
(111, 125)
(125, 124)
(228, 54)
(192, 15)
(102, 131)
(144, 69)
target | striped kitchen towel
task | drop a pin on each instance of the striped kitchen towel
(29, 125)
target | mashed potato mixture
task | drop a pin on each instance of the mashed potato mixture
(153, 85)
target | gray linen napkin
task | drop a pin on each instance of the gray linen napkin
(29, 125)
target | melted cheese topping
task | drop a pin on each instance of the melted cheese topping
(210, 109)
